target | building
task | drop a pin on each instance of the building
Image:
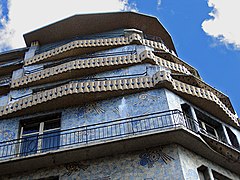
(105, 96)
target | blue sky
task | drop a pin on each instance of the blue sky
(209, 42)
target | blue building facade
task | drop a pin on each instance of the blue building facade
(111, 100)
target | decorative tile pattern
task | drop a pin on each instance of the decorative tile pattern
(149, 157)
(115, 108)
(191, 161)
(6, 135)
(8, 129)
(121, 167)
(75, 166)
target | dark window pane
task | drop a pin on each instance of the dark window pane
(31, 128)
(52, 124)
(51, 140)
(210, 130)
(29, 145)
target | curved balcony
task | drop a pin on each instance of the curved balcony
(74, 137)
(79, 47)
(84, 67)
(83, 90)
(206, 100)
(108, 138)
(170, 57)
(193, 80)
(52, 98)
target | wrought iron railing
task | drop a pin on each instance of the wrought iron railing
(5, 80)
(114, 130)
(10, 63)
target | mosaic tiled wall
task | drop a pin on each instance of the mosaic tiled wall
(152, 164)
(191, 161)
(8, 129)
(115, 108)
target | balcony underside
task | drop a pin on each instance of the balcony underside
(221, 148)
(177, 135)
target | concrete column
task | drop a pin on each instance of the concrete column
(31, 52)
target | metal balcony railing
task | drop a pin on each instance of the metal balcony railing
(114, 130)
(5, 80)
(10, 63)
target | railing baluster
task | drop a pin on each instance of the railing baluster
(86, 136)
(107, 130)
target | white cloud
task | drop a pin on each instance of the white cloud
(0, 11)
(224, 24)
(27, 15)
(159, 2)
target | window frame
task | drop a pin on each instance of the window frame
(41, 123)
(204, 127)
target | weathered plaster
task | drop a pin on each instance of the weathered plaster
(191, 161)
(115, 108)
(3, 100)
(9, 129)
(122, 167)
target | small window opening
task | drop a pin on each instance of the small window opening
(203, 173)
(233, 138)
(186, 109)
(218, 176)
(210, 126)
(190, 122)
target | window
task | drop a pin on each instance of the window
(209, 130)
(233, 138)
(218, 176)
(210, 126)
(40, 134)
(203, 173)
(186, 109)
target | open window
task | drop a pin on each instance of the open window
(203, 173)
(210, 130)
(218, 176)
(210, 126)
(233, 138)
(190, 122)
(40, 134)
